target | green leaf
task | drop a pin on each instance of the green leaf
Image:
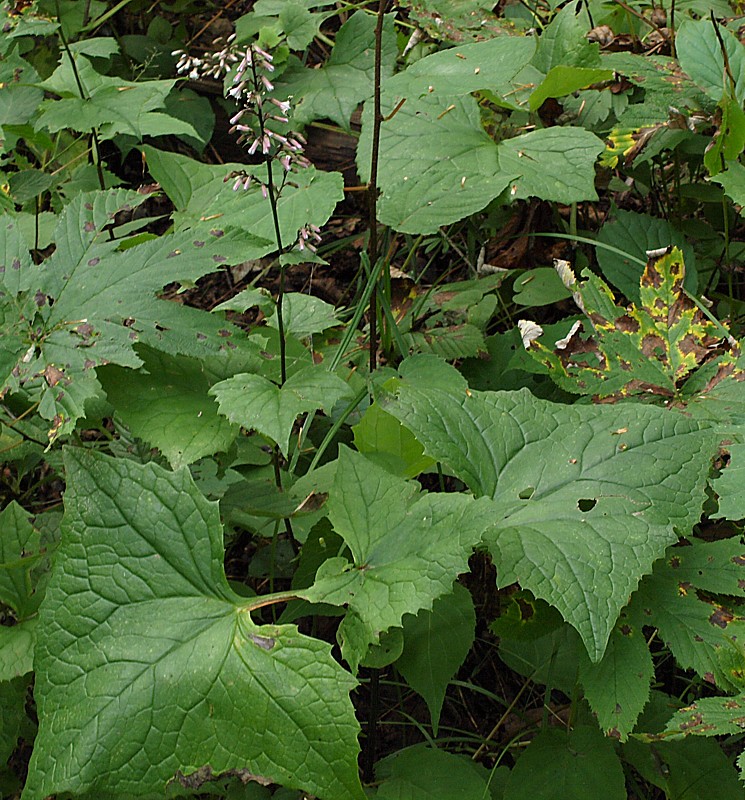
(425, 773)
(540, 286)
(700, 55)
(258, 404)
(299, 25)
(336, 89)
(436, 643)
(19, 553)
(90, 303)
(149, 665)
(165, 403)
(201, 196)
(563, 80)
(385, 441)
(112, 105)
(556, 164)
(696, 628)
(586, 498)
(12, 712)
(564, 42)
(634, 234)
(729, 486)
(17, 649)
(732, 180)
(437, 165)
(406, 547)
(559, 764)
(617, 687)
(303, 315)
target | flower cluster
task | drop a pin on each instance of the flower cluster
(250, 88)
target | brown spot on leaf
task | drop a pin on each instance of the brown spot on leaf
(53, 375)
(93, 261)
(89, 227)
(217, 232)
(721, 617)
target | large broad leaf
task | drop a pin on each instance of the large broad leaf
(438, 164)
(586, 497)
(91, 302)
(560, 764)
(407, 548)
(564, 42)
(148, 666)
(166, 404)
(201, 195)
(336, 89)
(556, 164)
(700, 54)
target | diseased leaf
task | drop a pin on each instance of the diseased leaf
(710, 716)
(586, 497)
(436, 642)
(648, 349)
(91, 302)
(148, 665)
(696, 627)
(406, 550)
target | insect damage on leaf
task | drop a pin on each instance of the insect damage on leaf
(649, 349)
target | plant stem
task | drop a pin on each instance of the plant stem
(372, 188)
(371, 742)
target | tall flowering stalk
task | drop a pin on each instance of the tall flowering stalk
(258, 112)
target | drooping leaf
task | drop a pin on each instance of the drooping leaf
(336, 89)
(258, 404)
(436, 643)
(647, 349)
(586, 497)
(148, 665)
(166, 403)
(407, 548)
(558, 764)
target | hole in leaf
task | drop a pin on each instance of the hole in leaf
(526, 494)
(586, 504)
